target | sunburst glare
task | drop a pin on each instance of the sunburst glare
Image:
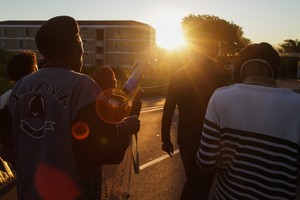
(168, 30)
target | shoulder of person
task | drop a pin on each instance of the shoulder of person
(224, 89)
(4, 98)
(83, 78)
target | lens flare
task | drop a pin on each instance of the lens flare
(113, 105)
(80, 130)
(54, 183)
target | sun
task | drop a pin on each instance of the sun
(168, 31)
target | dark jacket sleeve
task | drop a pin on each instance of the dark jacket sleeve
(169, 108)
(5, 127)
(103, 145)
(6, 147)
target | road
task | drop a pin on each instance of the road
(160, 177)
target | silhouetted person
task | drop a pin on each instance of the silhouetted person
(105, 78)
(59, 141)
(115, 176)
(250, 137)
(190, 89)
(20, 65)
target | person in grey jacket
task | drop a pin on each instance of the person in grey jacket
(59, 141)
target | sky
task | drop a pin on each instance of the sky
(270, 21)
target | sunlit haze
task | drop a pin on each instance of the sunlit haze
(168, 30)
(262, 20)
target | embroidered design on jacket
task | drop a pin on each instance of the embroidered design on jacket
(37, 133)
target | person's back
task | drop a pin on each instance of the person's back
(251, 132)
(192, 87)
(50, 105)
(19, 66)
(259, 139)
(59, 140)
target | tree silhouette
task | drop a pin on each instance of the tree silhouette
(289, 46)
(289, 50)
(229, 35)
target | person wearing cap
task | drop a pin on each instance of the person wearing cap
(251, 131)
(59, 141)
(190, 89)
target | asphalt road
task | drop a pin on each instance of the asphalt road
(161, 177)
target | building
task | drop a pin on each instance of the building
(114, 43)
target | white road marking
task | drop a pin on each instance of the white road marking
(151, 109)
(157, 160)
(144, 166)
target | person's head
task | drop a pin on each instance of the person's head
(59, 41)
(21, 65)
(258, 59)
(204, 47)
(105, 78)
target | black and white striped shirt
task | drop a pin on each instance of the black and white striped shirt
(251, 136)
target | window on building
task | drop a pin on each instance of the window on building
(118, 33)
(20, 44)
(3, 43)
(99, 34)
(117, 45)
(27, 33)
(19, 32)
(99, 50)
(4, 32)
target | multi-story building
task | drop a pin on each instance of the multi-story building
(114, 43)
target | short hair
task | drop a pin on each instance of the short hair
(21, 64)
(263, 51)
(204, 44)
(104, 77)
(55, 37)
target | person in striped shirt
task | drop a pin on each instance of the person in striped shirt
(251, 133)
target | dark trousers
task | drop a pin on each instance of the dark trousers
(197, 185)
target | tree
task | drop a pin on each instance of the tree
(5, 55)
(229, 35)
(289, 51)
(289, 46)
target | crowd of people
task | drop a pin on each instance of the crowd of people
(245, 136)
